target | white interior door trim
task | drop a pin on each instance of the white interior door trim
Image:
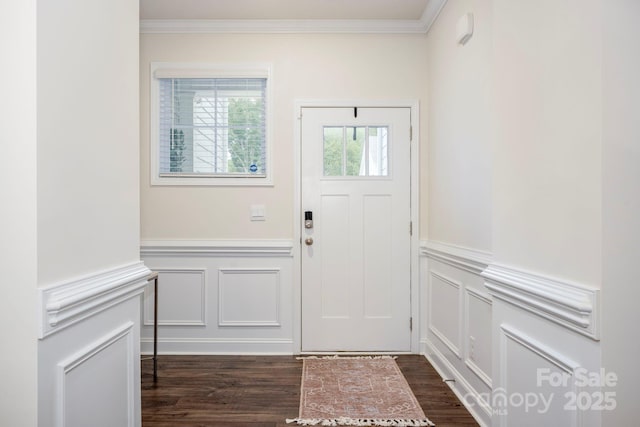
(415, 207)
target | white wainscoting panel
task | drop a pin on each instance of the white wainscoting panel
(238, 296)
(444, 311)
(182, 296)
(89, 359)
(479, 355)
(457, 334)
(514, 326)
(545, 362)
(536, 383)
(249, 297)
(104, 368)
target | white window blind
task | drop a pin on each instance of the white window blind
(212, 127)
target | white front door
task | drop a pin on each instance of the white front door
(356, 255)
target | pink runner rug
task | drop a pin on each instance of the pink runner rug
(356, 391)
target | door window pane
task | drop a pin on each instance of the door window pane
(333, 151)
(378, 151)
(355, 151)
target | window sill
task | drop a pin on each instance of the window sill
(209, 181)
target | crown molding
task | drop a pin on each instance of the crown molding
(295, 26)
(272, 26)
(431, 12)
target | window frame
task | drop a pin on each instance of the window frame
(207, 70)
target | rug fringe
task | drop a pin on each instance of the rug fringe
(360, 422)
(337, 356)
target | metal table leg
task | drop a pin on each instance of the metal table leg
(154, 276)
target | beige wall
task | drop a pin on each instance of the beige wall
(88, 127)
(459, 137)
(564, 152)
(621, 204)
(18, 260)
(515, 134)
(547, 173)
(70, 180)
(88, 204)
(362, 67)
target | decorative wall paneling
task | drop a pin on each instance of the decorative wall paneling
(256, 291)
(220, 297)
(456, 337)
(90, 334)
(107, 364)
(478, 307)
(545, 346)
(570, 305)
(540, 369)
(502, 338)
(522, 395)
(66, 303)
(183, 298)
(445, 311)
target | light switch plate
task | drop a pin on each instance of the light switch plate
(258, 213)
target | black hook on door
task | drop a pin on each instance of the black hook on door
(355, 114)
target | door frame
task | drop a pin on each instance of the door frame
(413, 105)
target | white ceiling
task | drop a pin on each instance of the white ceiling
(283, 9)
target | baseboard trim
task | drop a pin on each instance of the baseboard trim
(571, 305)
(219, 346)
(216, 248)
(66, 303)
(480, 411)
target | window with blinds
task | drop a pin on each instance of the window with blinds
(209, 127)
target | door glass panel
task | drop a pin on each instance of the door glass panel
(333, 151)
(355, 151)
(356, 165)
(378, 151)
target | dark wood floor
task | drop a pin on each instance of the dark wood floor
(248, 391)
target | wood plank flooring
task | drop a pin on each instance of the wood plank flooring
(262, 391)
